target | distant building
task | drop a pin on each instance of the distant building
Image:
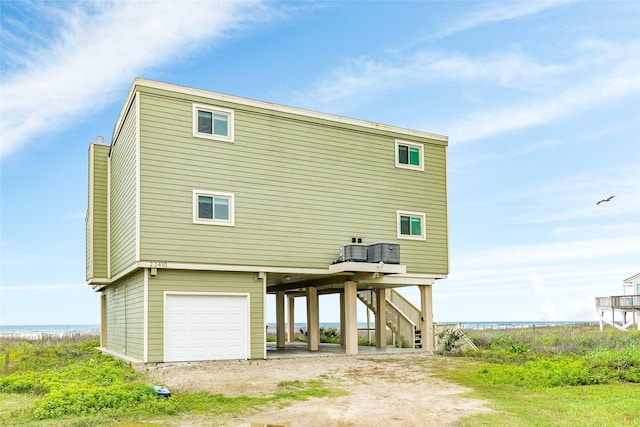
(203, 203)
(624, 304)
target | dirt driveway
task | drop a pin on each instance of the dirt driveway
(384, 390)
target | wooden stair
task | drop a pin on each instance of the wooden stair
(400, 324)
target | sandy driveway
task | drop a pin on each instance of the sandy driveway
(384, 390)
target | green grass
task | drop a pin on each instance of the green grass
(68, 382)
(560, 376)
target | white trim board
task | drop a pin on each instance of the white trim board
(140, 82)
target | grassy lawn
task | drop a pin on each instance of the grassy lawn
(67, 382)
(556, 376)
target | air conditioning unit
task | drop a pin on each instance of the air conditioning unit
(356, 252)
(387, 252)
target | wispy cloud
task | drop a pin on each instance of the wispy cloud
(622, 81)
(42, 288)
(369, 76)
(102, 46)
(485, 13)
(566, 199)
(493, 13)
(557, 252)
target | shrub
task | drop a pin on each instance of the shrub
(330, 335)
(557, 356)
(73, 401)
(451, 339)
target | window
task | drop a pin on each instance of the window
(412, 225)
(213, 208)
(213, 123)
(409, 155)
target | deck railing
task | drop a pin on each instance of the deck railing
(621, 302)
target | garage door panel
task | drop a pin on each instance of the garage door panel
(205, 327)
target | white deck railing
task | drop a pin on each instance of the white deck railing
(621, 302)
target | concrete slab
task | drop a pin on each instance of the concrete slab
(300, 349)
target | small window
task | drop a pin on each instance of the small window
(213, 208)
(409, 155)
(411, 225)
(213, 123)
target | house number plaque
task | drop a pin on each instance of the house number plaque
(158, 264)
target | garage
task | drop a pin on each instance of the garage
(206, 327)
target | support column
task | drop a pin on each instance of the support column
(381, 318)
(343, 330)
(103, 320)
(602, 320)
(613, 317)
(291, 323)
(426, 317)
(313, 319)
(350, 317)
(280, 332)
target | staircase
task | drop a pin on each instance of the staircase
(402, 316)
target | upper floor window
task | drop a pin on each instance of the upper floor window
(412, 225)
(212, 122)
(213, 208)
(409, 155)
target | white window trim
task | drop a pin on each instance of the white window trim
(230, 196)
(213, 110)
(420, 167)
(423, 225)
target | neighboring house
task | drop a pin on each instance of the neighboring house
(633, 283)
(628, 302)
(204, 203)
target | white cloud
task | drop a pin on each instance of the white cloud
(100, 48)
(581, 309)
(594, 74)
(621, 82)
(42, 288)
(494, 13)
(537, 283)
(366, 76)
(573, 197)
(556, 252)
(549, 312)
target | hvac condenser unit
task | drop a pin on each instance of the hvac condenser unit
(355, 252)
(386, 252)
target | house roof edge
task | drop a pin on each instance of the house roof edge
(141, 82)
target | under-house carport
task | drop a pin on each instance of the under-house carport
(371, 283)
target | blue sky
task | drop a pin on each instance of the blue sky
(540, 100)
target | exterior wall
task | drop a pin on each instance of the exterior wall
(124, 194)
(125, 315)
(204, 281)
(303, 186)
(96, 220)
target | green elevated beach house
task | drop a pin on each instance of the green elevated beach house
(204, 203)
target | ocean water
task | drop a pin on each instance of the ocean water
(464, 325)
(38, 331)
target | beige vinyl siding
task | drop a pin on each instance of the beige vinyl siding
(125, 316)
(303, 186)
(96, 220)
(123, 194)
(204, 281)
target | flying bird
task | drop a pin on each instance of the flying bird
(608, 199)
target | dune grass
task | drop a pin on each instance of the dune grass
(553, 376)
(66, 381)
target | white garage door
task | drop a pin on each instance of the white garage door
(205, 327)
